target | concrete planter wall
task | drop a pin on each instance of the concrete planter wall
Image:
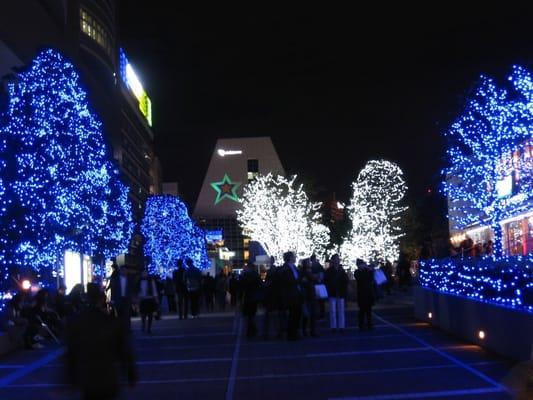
(507, 331)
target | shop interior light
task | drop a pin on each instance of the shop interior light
(481, 335)
(430, 315)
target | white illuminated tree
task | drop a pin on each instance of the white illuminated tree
(278, 214)
(374, 211)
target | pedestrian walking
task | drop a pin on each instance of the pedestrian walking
(309, 309)
(291, 294)
(336, 281)
(221, 289)
(271, 301)
(148, 300)
(251, 295)
(193, 281)
(387, 270)
(208, 289)
(113, 286)
(364, 276)
(170, 292)
(318, 272)
(178, 276)
(404, 273)
(98, 350)
(233, 285)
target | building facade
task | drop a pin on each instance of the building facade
(512, 197)
(234, 163)
(86, 32)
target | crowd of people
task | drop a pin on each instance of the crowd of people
(95, 323)
(467, 248)
(295, 296)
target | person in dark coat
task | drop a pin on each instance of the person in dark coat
(404, 274)
(291, 294)
(60, 302)
(387, 270)
(251, 292)
(193, 281)
(148, 300)
(98, 351)
(307, 282)
(208, 289)
(178, 276)
(364, 276)
(318, 272)
(336, 281)
(221, 289)
(170, 291)
(42, 315)
(114, 286)
(233, 286)
(17, 326)
(271, 298)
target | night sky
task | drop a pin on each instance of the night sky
(332, 87)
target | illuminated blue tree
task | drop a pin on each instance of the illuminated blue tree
(484, 140)
(197, 252)
(62, 191)
(170, 234)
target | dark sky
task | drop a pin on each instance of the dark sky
(333, 87)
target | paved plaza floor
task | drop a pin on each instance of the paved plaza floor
(209, 358)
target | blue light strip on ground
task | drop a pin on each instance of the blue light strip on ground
(10, 378)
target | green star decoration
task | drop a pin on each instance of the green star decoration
(226, 189)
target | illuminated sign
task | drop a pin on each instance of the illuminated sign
(225, 254)
(223, 153)
(134, 84)
(504, 187)
(226, 189)
(214, 236)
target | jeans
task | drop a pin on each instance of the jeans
(336, 313)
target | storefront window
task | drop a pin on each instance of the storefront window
(514, 237)
(530, 235)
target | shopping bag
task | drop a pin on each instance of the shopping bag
(321, 292)
(379, 277)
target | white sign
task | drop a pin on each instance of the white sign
(223, 153)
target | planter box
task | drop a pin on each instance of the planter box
(507, 331)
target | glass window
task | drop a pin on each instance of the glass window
(92, 28)
(514, 236)
(253, 169)
(253, 165)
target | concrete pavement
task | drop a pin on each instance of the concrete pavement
(209, 358)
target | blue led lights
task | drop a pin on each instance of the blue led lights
(59, 188)
(506, 281)
(170, 234)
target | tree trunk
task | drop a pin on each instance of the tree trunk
(498, 240)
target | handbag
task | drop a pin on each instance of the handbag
(321, 292)
(379, 277)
